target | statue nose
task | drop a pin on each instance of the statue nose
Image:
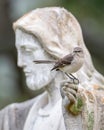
(21, 61)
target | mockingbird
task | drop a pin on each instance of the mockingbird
(69, 64)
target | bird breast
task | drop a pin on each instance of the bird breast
(74, 66)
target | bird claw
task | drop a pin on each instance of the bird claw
(75, 81)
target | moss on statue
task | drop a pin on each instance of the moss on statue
(76, 108)
(90, 121)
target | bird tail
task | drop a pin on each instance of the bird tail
(44, 61)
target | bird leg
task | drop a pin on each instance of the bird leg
(72, 78)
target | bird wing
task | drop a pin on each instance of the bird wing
(63, 62)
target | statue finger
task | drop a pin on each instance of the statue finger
(70, 97)
(70, 90)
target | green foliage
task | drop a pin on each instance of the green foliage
(83, 8)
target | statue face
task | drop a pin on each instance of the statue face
(29, 49)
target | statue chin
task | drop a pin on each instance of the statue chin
(34, 83)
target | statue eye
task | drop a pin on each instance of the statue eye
(28, 50)
(77, 51)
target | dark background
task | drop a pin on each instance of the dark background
(89, 13)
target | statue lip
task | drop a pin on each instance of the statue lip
(27, 72)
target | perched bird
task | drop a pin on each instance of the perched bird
(69, 64)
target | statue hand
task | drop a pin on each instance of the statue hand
(70, 90)
(72, 99)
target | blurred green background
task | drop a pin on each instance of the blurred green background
(89, 13)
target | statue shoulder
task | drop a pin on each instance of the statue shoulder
(14, 115)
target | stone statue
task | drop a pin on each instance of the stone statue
(49, 34)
